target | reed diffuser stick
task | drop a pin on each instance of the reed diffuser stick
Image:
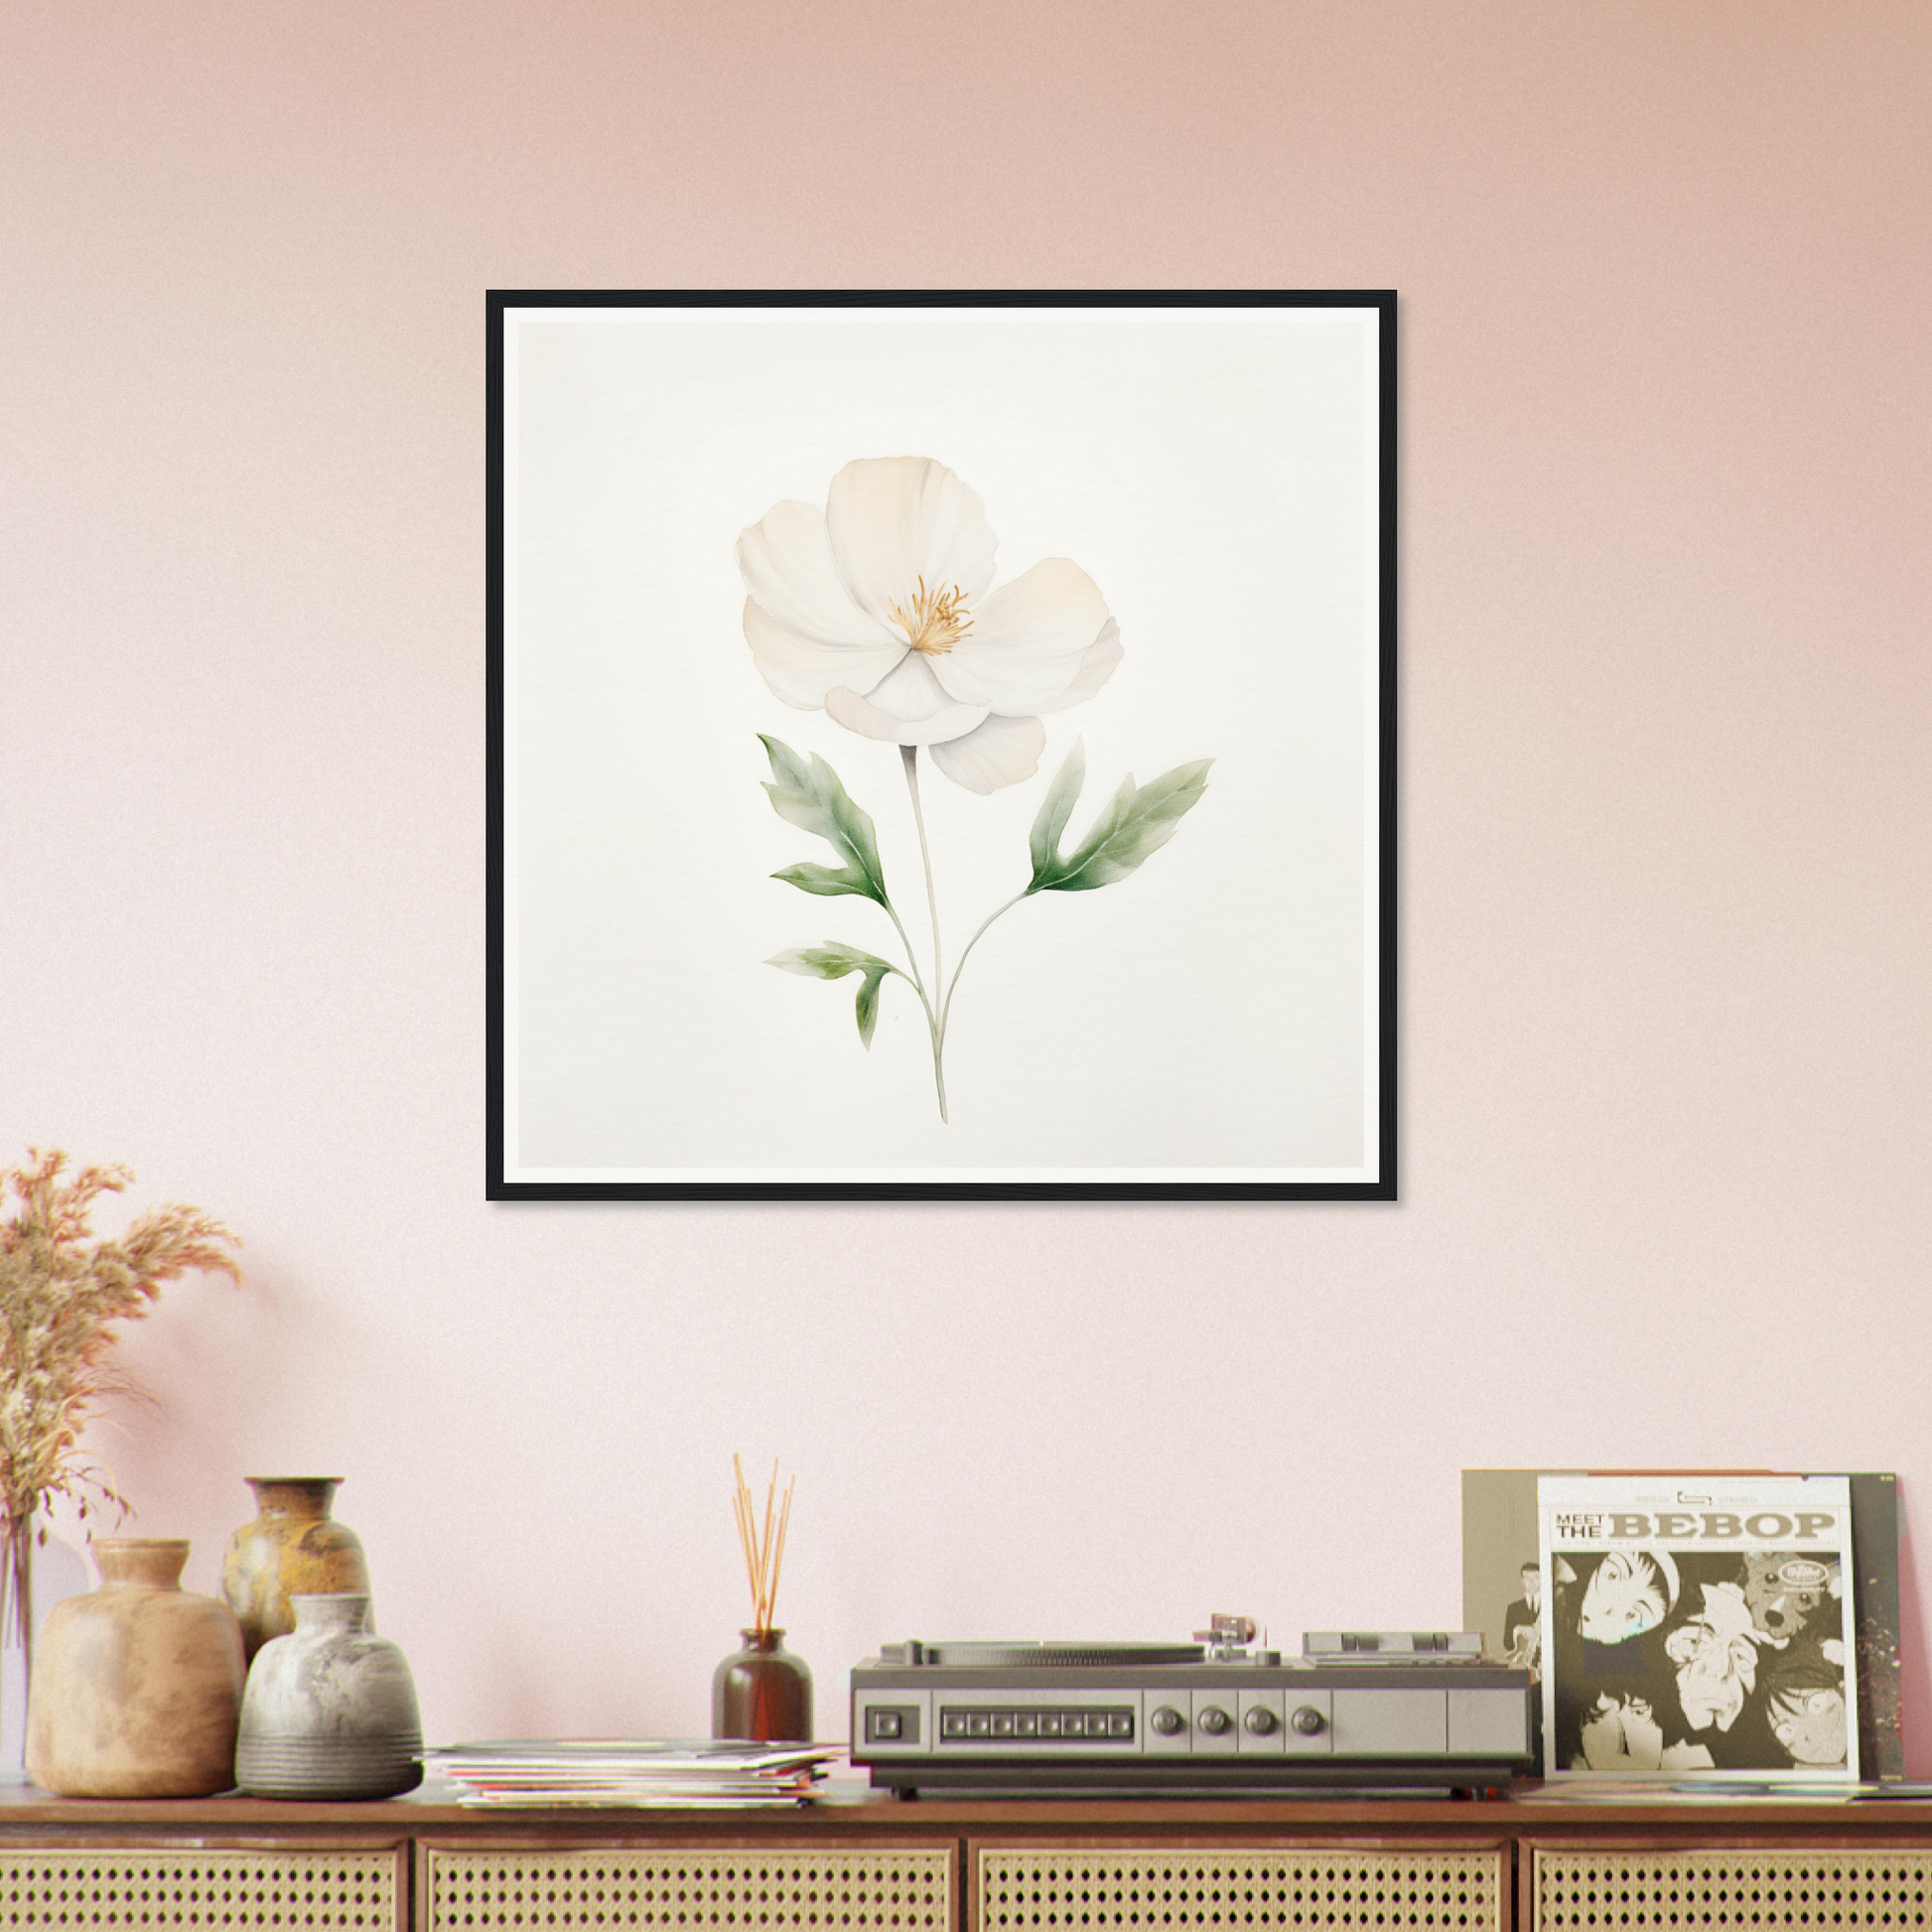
(763, 1543)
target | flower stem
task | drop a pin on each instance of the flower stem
(917, 984)
(909, 756)
(945, 1005)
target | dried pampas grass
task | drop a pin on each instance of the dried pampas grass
(61, 1297)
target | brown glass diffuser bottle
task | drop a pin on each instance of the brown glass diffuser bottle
(293, 1547)
(763, 1693)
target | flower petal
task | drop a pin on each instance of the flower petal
(786, 563)
(1096, 667)
(1030, 640)
(893, 521)
(800, 671)
(1002, 752)
(907, 707)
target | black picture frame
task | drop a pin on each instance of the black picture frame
(510, 1175)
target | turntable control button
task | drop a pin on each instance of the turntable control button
(1168, 1721)
(1120, 1723)
(978, 1724)
(1214, 1720)
(1049, 1724)
(1026, 1725)
(1309, 1721)
(1260, 1719)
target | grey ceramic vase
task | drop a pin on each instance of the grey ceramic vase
(330, 1710)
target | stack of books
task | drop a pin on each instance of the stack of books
(632, 1772)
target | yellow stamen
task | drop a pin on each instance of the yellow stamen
(937, 620)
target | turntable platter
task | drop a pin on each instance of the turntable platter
(1057, 1656)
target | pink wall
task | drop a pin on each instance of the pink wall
(1665, 799)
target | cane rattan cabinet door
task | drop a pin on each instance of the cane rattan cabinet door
(629, 1888)
(1848, 1888)
(118, 1889)
(1034, 1888)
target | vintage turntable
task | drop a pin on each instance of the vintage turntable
(1357, 1710)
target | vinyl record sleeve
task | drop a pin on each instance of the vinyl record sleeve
(1698, 1629)
(1502, 1585)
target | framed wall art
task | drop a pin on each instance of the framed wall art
(941, 745)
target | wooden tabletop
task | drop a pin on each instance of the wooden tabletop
(847, 1804)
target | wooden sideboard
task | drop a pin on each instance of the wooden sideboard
(863, 1862)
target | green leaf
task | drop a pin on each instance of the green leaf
(1138, 822)
(1056, 808)
(867, 1005)
(823, 880)
(832, 961)
(807, 794)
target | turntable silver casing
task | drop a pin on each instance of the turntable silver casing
(1189, 1726)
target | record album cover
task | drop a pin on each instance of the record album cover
(1698, 1629)
(1502, 1588)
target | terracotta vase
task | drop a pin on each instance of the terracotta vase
(330, 1710)
(294, 1547)
(137, 1687)
(762, 1692)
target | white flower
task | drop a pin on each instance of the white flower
(881, 613)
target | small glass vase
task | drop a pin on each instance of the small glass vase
(763, 1693)
(49, 1572)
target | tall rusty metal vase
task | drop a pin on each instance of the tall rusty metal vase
(294, 1548)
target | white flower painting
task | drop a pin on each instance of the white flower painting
(1005, 679)
(880, 611)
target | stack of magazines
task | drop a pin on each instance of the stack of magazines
(632, 1772)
